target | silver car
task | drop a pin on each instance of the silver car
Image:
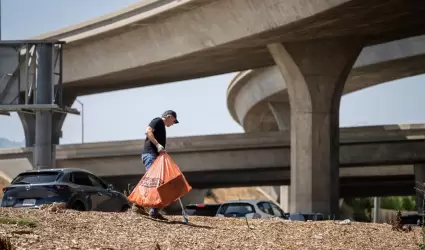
(251, 209)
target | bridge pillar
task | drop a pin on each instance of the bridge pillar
(419, 171)
(315, 73)
(28, 124)
(282, 113)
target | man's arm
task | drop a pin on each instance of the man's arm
(151, 137)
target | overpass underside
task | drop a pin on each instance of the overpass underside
(364, 186)
(233, 44)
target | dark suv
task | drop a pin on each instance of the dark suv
(79, 189)
(202, 209)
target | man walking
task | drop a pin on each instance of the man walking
(155, 141)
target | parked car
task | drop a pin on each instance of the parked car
(202, 209)
(79, 189)
(252, 209)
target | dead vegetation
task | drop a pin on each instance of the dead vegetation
(95, 230)
(5, 244)
(397, 225)
(3, 183)
(55, 207)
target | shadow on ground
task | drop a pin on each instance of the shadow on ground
(176, 222)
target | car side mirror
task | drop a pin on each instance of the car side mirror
(110, 187)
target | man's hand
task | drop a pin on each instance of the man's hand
(160, 148)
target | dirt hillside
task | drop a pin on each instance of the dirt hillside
(95, 230)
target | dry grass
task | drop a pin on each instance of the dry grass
(94, 230)
(3, 183)
(5, 244)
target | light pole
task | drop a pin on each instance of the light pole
(82, 120)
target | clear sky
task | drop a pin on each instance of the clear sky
(200, 103)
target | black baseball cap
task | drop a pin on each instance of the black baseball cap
(172, 113)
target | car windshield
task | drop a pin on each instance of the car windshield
(35, 178)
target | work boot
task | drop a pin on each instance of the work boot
(139, 209)
(154, 214)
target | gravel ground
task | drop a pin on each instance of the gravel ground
(96, 230)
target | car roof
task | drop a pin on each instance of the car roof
(253, 202)
(64, 170)
(204, 204)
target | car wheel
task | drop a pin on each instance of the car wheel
(78, 206)
(125, 208)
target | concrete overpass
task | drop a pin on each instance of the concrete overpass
(244, 159)
(151, 43)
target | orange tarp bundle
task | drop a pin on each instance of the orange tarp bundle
(161, 185)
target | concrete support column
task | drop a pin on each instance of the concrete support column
(282, 113)
(43, 118)
(315, 73)
(285, 198)
(419, 170)
(28, 124)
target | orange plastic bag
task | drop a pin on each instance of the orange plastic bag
(161, 185)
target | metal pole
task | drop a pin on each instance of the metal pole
(43, 119)
(376, 209)
(27, 85)
(61, 75)
(82, 120)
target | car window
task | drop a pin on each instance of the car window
(265, 208)
(80, 178)
(96, 182)
(309, 217)
(297, 216)
(222, 209)
(277, 211)
(240, 209)
(36, 177)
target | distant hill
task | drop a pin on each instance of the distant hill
(6, 143)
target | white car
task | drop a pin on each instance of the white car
(251, 209)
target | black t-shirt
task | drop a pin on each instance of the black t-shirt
(159, 133)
